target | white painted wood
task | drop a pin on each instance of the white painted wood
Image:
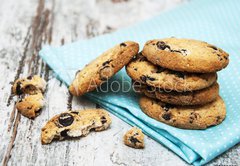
(61, 22)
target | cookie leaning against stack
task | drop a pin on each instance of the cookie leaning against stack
(180, 74)
(103, 68)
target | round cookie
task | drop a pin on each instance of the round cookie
(145, 72)
(73, 124)
(186, 117)
(186, 55)
(102, 68)
(198, 97)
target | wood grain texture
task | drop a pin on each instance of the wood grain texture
(27, 25)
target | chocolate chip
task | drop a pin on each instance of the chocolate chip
(218, 118)
(143, 78)
(134, 140)
(18, 88)
(105, 72)
(66, 119)
(182, 51)
(64, 133)
(29, 87)
(219, 57)
(166, 116)
(103, 119)
(135, 69)
(191, 120)
(162, 45)
(30, 107)
(193, 116)
(150, 78)
(149, 88)
(166, 107)
(107, 62)
(123, 44)
(178, 74)
(29, 77)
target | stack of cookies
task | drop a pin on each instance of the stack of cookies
(179, 81)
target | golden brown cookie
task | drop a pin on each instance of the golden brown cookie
(73, 124)
(30, 85)
(186, 117)
(102, 68)
(198, 97)
(30, 105)
(145, 72)
(134, 138)
(186, 55)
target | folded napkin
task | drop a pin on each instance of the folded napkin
(215, 21)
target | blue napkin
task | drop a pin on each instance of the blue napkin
(215, 21)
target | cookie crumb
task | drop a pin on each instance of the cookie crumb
(134, 138)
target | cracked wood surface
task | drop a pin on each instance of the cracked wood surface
(27, 25)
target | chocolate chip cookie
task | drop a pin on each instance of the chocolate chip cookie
(73, 124)
(186, 117)
(141, 70)
(186, 55)
(198, 97)
(30, 105)
(134, 138)
(30, 85)
(102, 68)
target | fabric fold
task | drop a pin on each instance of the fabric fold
(216, 22)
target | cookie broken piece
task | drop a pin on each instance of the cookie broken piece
(30, 105)
(134, 138)
(30, 85)
(73, 124)
(103, 68)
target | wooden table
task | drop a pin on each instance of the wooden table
(25, 27)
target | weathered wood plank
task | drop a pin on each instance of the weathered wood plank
(58, 22)
(12, 57)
